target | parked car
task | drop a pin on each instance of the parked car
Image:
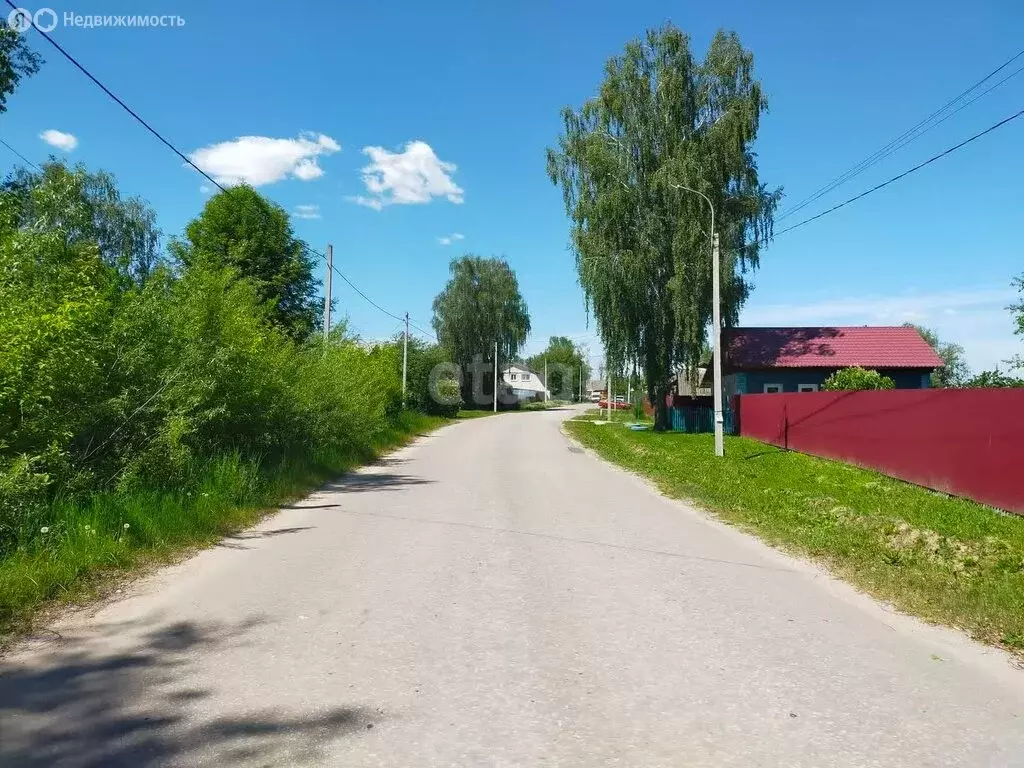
(618, 405)
(595, 396)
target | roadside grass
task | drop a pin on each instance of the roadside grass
(944, 559)
(472, 413)
(543, 406)
(618, 416)
(90, 545)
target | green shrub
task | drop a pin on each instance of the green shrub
(856, 378)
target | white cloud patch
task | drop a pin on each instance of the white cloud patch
(452, 238)
(976, 319)
(307, 212)
(413, 176)
(259, 160)
(59, 139)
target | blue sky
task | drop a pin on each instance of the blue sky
(461, 100)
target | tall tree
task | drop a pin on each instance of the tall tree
(955, 372)
(240, 228)
(17, 60)
(566, 363)
(662, 119)
(480, 305)
(86, 207)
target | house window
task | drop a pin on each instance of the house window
(513, 376)
(806, 387)
(526, 377)
(772, 389)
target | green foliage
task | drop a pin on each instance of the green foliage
(994, 378)
(17, 61)
(955, 372)
(480, 305)
(241, 229)
(566, 363)
(130, 389)
(662, 119)
(856, 378)
(432, 388)
(87, 209)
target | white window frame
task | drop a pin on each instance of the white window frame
(806, 387)
(513, 376)
(526, 377)
(772, 389)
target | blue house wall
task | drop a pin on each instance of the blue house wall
(752, 382)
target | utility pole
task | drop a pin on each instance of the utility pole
(716, 319)
(495, 376)
(327, 290)
(608, 394)
(581, 383)
(545, 379)
(405, 357)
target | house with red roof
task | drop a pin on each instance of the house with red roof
(757, 360)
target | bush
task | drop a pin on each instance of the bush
(856, 378)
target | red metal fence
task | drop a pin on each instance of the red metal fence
(966, 442)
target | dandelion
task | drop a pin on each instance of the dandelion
(44, 529)
(126, 526)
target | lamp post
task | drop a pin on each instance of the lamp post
(716, 322)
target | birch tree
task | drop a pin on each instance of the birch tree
(662, 120)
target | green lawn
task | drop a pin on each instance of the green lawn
(944, 559)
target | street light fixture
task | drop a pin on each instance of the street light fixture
(716, 321)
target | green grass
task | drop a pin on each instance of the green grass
(88, 545)
(618, 416)
(944, 559)
(473, 413)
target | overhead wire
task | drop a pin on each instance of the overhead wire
(911, 134)
(23, 158)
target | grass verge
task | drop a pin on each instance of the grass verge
(944, 559)
(90, 544)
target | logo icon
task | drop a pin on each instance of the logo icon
(46, 20)
(20, 20)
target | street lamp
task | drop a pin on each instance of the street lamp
(716, 321)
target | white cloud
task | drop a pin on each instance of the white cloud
(205, 189)
(59, 139)
(307, 212)
(977, 319)
(452, 238)
(259, 160)
(414, 175)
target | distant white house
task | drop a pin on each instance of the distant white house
(524, 383)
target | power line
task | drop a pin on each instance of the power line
(178, 152)
(909, 135)
(917, 167)
(23, 158)
(426, 333)
(124, 106)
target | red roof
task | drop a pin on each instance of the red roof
(828, 347)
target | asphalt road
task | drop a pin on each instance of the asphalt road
(494, 596)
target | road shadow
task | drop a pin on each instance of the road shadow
(237, 540)
(358, 482)
(82, 703)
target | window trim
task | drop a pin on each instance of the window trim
(777, 390)
(811, 387)
(513, 377)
